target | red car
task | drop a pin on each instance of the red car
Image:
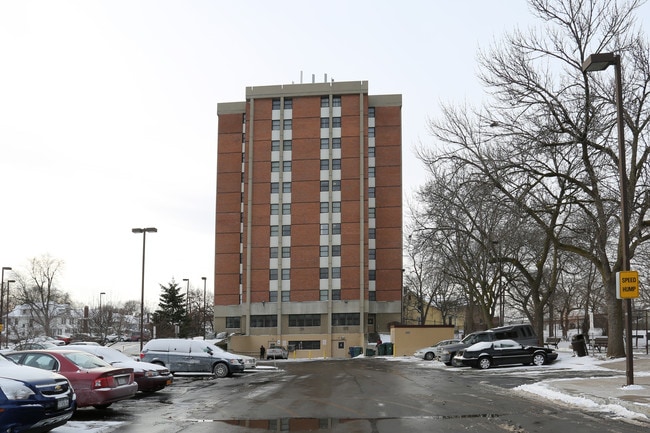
(95, 381)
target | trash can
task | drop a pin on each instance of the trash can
(381, 349)
(389, 348)
(370, 352)
(579, 345)
(355, 351)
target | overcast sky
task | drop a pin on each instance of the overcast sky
(108, 113)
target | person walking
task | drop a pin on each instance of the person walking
(262, 351)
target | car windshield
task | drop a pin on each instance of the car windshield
(86, 360)
(112, 355)
(4, 362)
(479, 346)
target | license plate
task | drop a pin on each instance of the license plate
(121, 380)
(63, 403)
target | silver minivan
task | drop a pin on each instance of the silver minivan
(191, 356)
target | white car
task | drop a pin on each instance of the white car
(433, 352)
(276, 352)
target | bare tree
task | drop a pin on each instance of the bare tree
(37, 289)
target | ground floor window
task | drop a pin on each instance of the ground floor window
(345, 319)
(304, 320)
(305, 344)
(264, 321)
(233, 322)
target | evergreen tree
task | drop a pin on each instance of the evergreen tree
(171, 311)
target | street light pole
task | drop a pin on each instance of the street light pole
(144, 232)
(599, 62)
(7, 319)
(2, 291)
(204, 305)
(101, 334)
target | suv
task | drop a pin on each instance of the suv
(191, 356)
(276, 352)
(524, 334)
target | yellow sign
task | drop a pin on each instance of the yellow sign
(2, 327)
(627, 284)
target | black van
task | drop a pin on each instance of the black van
(524, 334)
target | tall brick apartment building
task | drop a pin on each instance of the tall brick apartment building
(309, 217)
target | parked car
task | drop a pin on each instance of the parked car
(95, 381)
(275, 352)
(114, 338)
(433, 352)
(65, 338)
(191, 356)
(33, 400)
(249, 361)
(503, 352)
(524, 334)
(35, 346)
(149, 377)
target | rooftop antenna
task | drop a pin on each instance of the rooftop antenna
(300, 77)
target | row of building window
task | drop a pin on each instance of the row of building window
(276, 104)
(324, 250)
(295, 320)
(324, 206)
(324, 273)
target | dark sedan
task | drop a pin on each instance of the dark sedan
(503, 352)
(95, 381)
(33, 400)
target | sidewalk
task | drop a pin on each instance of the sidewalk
(612, 393)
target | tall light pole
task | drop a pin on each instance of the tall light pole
(7, 320)
(600, 62)
(2, 291)
(101, 334)
(144, 232)
(204, 305)
(187, 295)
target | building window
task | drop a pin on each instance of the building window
(371, 111)
(371, 192)
(372, 233)
(336, 185)
(286, 275)
(371, 132)
(324, 185)
(275, 187)
(274, 231)
(371, 171)
(243, 157)
(372, 295)
(372, 212)
(273, 252)
(323, 295)
(286, 208)
(286, 124)
(324, 122)
(286, 166)
(324, 143)
(336, 251)
(336, 164)
(275, 166)
(336, 228)
(286, 296)
(273, 296)
(306, 345)
(286, 252)
(288, 103)
(275, 209)
(324, 101)
(336, 207)
(275, 104)
(372, 254)
(336, 101)
(286, 230)
(273, 274)
(336, 295)
(324, 229)
(324, 273)
(336, 122)
(275, 145)
(286, 187)
(345, 319)
(336, 273)
(303, 320)
(324, 251)
(286, 145)
(275, 125)
(264, 321)
(371, 152)
(324, 164)
(324, 207)
(233, 322)
(372, 275)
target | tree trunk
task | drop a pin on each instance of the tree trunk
(615, 346)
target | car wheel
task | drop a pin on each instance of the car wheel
(102, 406)
(428, 356)
(539, 359)
(484, 363)
(220, 370)
(158, 363)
